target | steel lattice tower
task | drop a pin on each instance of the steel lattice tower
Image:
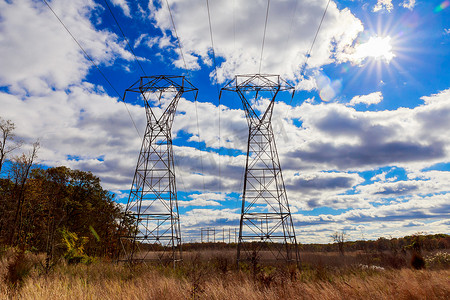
(266, 222)
(151, 221)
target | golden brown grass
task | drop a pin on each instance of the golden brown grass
(215, 278)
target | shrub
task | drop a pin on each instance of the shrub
(18, 270)
(221, 263)
(440, 260)
(75, 248)
(417, 261)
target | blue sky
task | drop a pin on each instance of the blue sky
(364, 145)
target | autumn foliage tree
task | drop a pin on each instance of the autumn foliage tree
(56, 200)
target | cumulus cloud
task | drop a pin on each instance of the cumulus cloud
(321, 181)
(383, 5)
(376, 47)
(349, 156)
(41, 55)
(409, 4)
(336, 135)
(237, 34)
(373, 98)
(123, 5)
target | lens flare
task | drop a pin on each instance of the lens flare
(442, 6)
(328, 89)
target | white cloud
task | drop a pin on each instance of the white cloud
(383, 5)
(409, 4)
(123, 5)
(239, 42)
(41, 54)
(447, 30)
(203, 216)
(81, 123)
(376, 48)
(204, 199)
(373, 98)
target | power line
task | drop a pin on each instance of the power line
(201, 155)
(264, 36)
(310, 49)
(234, 34)
(176, 35)
(212, 40)
(93, 63)
(218, 92)
(315, 37)
(290, 27)
(195, 101)
(123, 34)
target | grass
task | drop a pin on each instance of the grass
(213, 275)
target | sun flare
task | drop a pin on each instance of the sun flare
(378, 48)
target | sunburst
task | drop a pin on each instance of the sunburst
(376, 47)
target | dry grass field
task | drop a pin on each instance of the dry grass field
(213, 275)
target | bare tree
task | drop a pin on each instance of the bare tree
(340, 238)
(20, 170)
(7, 137)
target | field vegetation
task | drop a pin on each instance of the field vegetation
(212, 274)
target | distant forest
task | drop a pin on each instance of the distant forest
(419, 242)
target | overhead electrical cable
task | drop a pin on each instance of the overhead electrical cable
(218, 92)
(176, 36)
(311, 48)
(93, 63)
(264, 36)
(234, 35)
(290, 27)
(212, 40)
(315, 37)
(195, 100)
(123, 34)
(234, 95)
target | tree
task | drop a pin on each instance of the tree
(340, 238)
(71, 200)
(20, 170)
(37, 205)
(7, 137)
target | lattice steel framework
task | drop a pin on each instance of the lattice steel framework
(151, 225)
(266, 222)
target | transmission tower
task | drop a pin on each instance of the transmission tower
(150, 229)
(266, 222)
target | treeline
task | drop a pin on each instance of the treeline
(54, 205)
(419, 241)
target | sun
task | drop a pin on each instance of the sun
(378, 48)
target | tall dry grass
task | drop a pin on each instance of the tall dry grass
(215, 277)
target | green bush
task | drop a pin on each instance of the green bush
(75, 248)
